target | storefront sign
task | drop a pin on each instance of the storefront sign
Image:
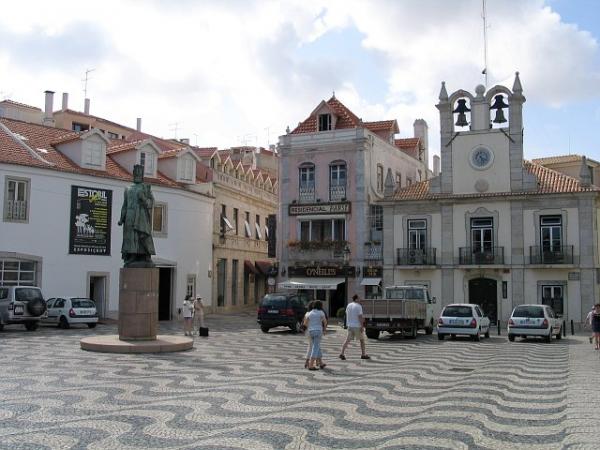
(322, 271)
(319, 208)
(372, 272)
(90, 221)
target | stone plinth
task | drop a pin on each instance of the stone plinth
(112, 344)
(138, 304)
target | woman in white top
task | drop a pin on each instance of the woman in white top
(188, 312)
(316, 324)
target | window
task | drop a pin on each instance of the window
(398, 180)
(551, 233)
(80, 127)
(307, 176)
(16, 200)
(409, 181)
(17, 273)
(235, 220)
(553, 297)
(234, 281)
(257, 227)
(187, 169)
(482, 234)
(376, 222)
(191, 286)
(112, 135)
(323, 230)
(324, 122)
(92, 153)
(337, 174)
(147, 160)
(221, 281)
(247, 225)
(159, 219)
(417, 234)
(379, 178)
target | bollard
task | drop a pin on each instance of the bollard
(498, 328)
(564, 329)
(572, 328)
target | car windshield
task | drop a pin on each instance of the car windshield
(535, 312)
(27, 294)
(458, 311)
(82, 303)
(274, 302)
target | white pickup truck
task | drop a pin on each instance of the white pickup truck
(405, 309)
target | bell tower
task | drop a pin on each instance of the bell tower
(482, 140)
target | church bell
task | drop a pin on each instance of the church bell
(499, 105)
(461, 109)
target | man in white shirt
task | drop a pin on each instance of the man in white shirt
(355, 324)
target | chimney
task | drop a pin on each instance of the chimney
(138, 125)
(86, 106)
(421, 131)
(436, 165)
(65, 101)
(48, 110)
(585, 174)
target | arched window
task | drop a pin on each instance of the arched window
(338, 176)
(306, 182)
(379, 178)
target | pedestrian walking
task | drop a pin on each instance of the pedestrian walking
(588, 323)
(310, 307)
(198, 314)
(596, 325)
(188, 312)
(356, 325)
(316, 325)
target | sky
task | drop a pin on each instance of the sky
(233, 72)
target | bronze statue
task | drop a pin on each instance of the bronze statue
(136, 218)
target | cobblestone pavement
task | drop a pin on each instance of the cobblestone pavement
(241, 388)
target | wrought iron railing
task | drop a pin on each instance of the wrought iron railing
(416, 256)
(337, 193)
(374, 252)
(306, 193)
(562, 254)
(15, 210)
(480, 256)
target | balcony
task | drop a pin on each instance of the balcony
(15, 210)
(374, 253)
(317, 250)
(307, 193)
(562, 254)
(337, 193)
(416, 256)
(478, 256)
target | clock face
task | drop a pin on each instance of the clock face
(481, 157)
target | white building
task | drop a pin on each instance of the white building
(494, 229)
(49, 236)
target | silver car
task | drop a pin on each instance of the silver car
(21, 305)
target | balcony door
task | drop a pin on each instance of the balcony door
(553, 297)
(551, 233)
(482, 235)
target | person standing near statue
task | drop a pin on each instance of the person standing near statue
(136, 219)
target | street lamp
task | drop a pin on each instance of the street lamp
(346, 267)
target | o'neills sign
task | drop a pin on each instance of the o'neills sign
(321, 271)
(319, 208)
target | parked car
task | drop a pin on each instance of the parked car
(21, 305)
(463, 319)
(66, 311)
(534, 320)
(282, 309)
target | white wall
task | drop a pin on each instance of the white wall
(188, 243)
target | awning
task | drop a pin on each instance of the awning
(263, 266)
(370, 281)
(249, 267)
(310, 283)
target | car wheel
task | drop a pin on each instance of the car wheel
(63, 323)
(372, 334)
(559, 335)
(265, 329)
(297, 327)
(452, 336)
(548, 338)
(31, 326)
(487, 334)
(92, 325)
(511, 337)
(440, 337)
(476, 337)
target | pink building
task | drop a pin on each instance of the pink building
(334, 168)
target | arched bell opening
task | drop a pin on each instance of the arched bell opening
(499, 107)
(461, 114)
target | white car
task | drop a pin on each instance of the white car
(534, 320)
(66, 311)
(464, 319)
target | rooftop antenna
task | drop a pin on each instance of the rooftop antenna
(196, 138)
(485, 43)
(174, 127)
(85, 81)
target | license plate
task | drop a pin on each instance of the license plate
(85, 312)
(273, 311)
(453, 322)
(382, 324)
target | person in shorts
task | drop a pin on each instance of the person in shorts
(188, 313)
(355, 323)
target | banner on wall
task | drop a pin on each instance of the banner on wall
(90, 221)
(272, 240)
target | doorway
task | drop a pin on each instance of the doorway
(165, 289)
(337, 299)
(97, 292)
(484, 292)
(553, 297)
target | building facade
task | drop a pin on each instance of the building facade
(494, 229)
(330, 226)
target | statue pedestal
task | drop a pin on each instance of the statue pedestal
(138, 304)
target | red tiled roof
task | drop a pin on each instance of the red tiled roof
(40, 139)
(548, 182)
(205, 152)
(22, 105)
(345, 118)
(562, 159)
(410, 146)
(382, 125)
